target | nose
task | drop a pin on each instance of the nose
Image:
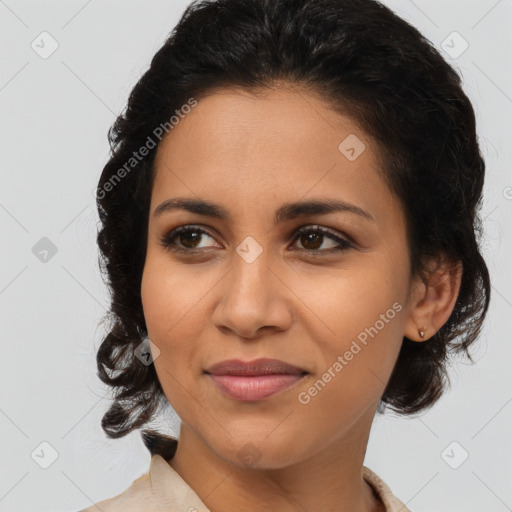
(254, 299)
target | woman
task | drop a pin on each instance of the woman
(289, 224)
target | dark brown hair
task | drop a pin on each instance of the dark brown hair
(364, 61)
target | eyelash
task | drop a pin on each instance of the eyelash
(166, 240)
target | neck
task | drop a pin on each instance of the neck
(331, 480)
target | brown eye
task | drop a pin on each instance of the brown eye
(189, 238)
(312, 238)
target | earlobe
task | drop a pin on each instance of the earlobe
(432, 302)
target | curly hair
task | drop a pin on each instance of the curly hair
(364, 61)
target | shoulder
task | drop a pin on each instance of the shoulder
(382, 490)
(149, 492)
(161, 489)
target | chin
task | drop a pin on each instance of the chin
(259, 452)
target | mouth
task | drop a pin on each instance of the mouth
(254, 380)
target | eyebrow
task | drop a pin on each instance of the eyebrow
(287, 211)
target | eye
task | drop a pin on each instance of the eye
(188, 236)
(311, 238)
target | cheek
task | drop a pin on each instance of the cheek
(362, 316)
(365, 317)
(354, 298)
(172, 296)
(175, 318)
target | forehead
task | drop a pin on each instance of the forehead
(241, 125)
(236, 147)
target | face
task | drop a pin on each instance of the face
(331, 299)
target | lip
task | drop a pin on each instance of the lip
(262, 366)
(254, 380)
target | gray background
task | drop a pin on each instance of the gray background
(55, 113)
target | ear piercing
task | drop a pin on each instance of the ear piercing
(422, 331)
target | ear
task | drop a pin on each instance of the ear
(432, 299)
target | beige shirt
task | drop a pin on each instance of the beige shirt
(162, 489)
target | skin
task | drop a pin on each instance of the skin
(251, 154)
